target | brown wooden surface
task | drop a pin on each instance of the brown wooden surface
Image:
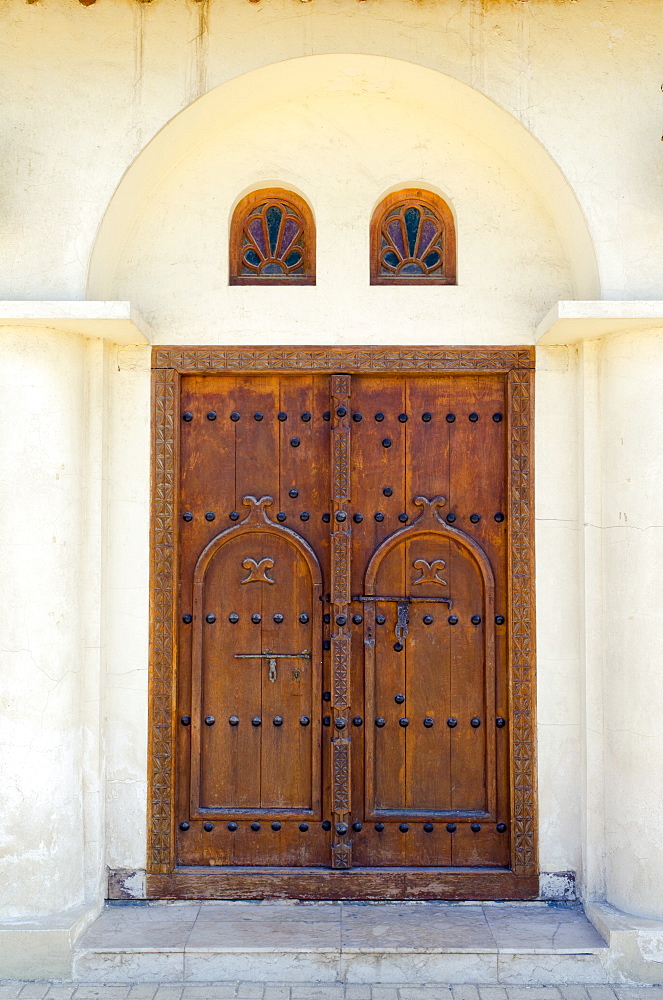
(437, 774)
(334, 885)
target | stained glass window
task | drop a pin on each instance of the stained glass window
(272, 240)
(413, 240)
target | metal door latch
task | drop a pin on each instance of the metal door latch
(402, 618)
(272, 658)
(402, 621)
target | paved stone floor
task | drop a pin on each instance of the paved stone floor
(329, 991)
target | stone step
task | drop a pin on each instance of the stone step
(488, 943)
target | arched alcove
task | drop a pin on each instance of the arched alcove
(344, 129)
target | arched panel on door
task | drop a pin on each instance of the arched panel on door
(429, 673)
(256, 674)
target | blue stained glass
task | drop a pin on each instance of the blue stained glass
(274, 267)
(432, 260)
(391, 258)
(273, 216)
(412, 220)
(252, 257)
(293, 258)
(412, 267)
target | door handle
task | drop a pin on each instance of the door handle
(273, 657)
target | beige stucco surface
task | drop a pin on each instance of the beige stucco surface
(539, 122)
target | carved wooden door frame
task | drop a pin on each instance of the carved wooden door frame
(164, 879)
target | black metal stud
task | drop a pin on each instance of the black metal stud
(399, 698)
(208, 827)
(234, 720)
(211, 415)
(404, 827)
(499, 517)
(326, 619)
(386, 442)
(387, 491)
(295, 442)
(357, 619)
(475, 722)
(258, 416)
(380, 722)
(326, 518)
(281, 516)
(497, 417)
(475, 518)
(256, 619)
(453, 619)
(500, 722)
(233, 618)
(187, 619)
(427, 619)
(379, 417)
(398, 646)
(304, 516)
(476, 619)
(341, 620)
(501, 827)
(256, 721)
(380, 619)
(293, 493)
(326, 825)
(341, 515)
(379, 827)
(232, 827)
(428, 722)
(210, 619)
(234, 515)
(326, 720)
(187, 516)
(475, 827)
(255, 826)
(276, 827)
(402, 517)
(474, 417)
(278, 618)
(451, 827)
(379, 516)
(278, 720)
(303, 827)
(341, 411)
(187, 415)
(326, 644)
(341, 829)
(428, 827)
(340, 723)
(499, 619)
(402, 417)
(326, 415)
(209, 720)
(403, 723)
(234, 416)
(185, 826)
(282, 416)
(452, 723)
(357, 417)
(357, 518)
(426, 417)
(304, 720)
(306, 416)
(450, 418)
(451, 518)
(357, 721)
(357, 827)
(326, 695)
(210, 515)
(186, 720)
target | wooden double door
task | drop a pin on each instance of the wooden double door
(343, 685)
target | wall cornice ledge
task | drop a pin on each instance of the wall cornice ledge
(116, 322)
(571, 321)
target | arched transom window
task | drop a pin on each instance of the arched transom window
(413, 240)
(272, 240)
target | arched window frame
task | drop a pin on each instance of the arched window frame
(240, 216)
(439, 207)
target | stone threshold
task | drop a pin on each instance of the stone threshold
(354, 943)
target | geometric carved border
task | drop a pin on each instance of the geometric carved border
(168, 364)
